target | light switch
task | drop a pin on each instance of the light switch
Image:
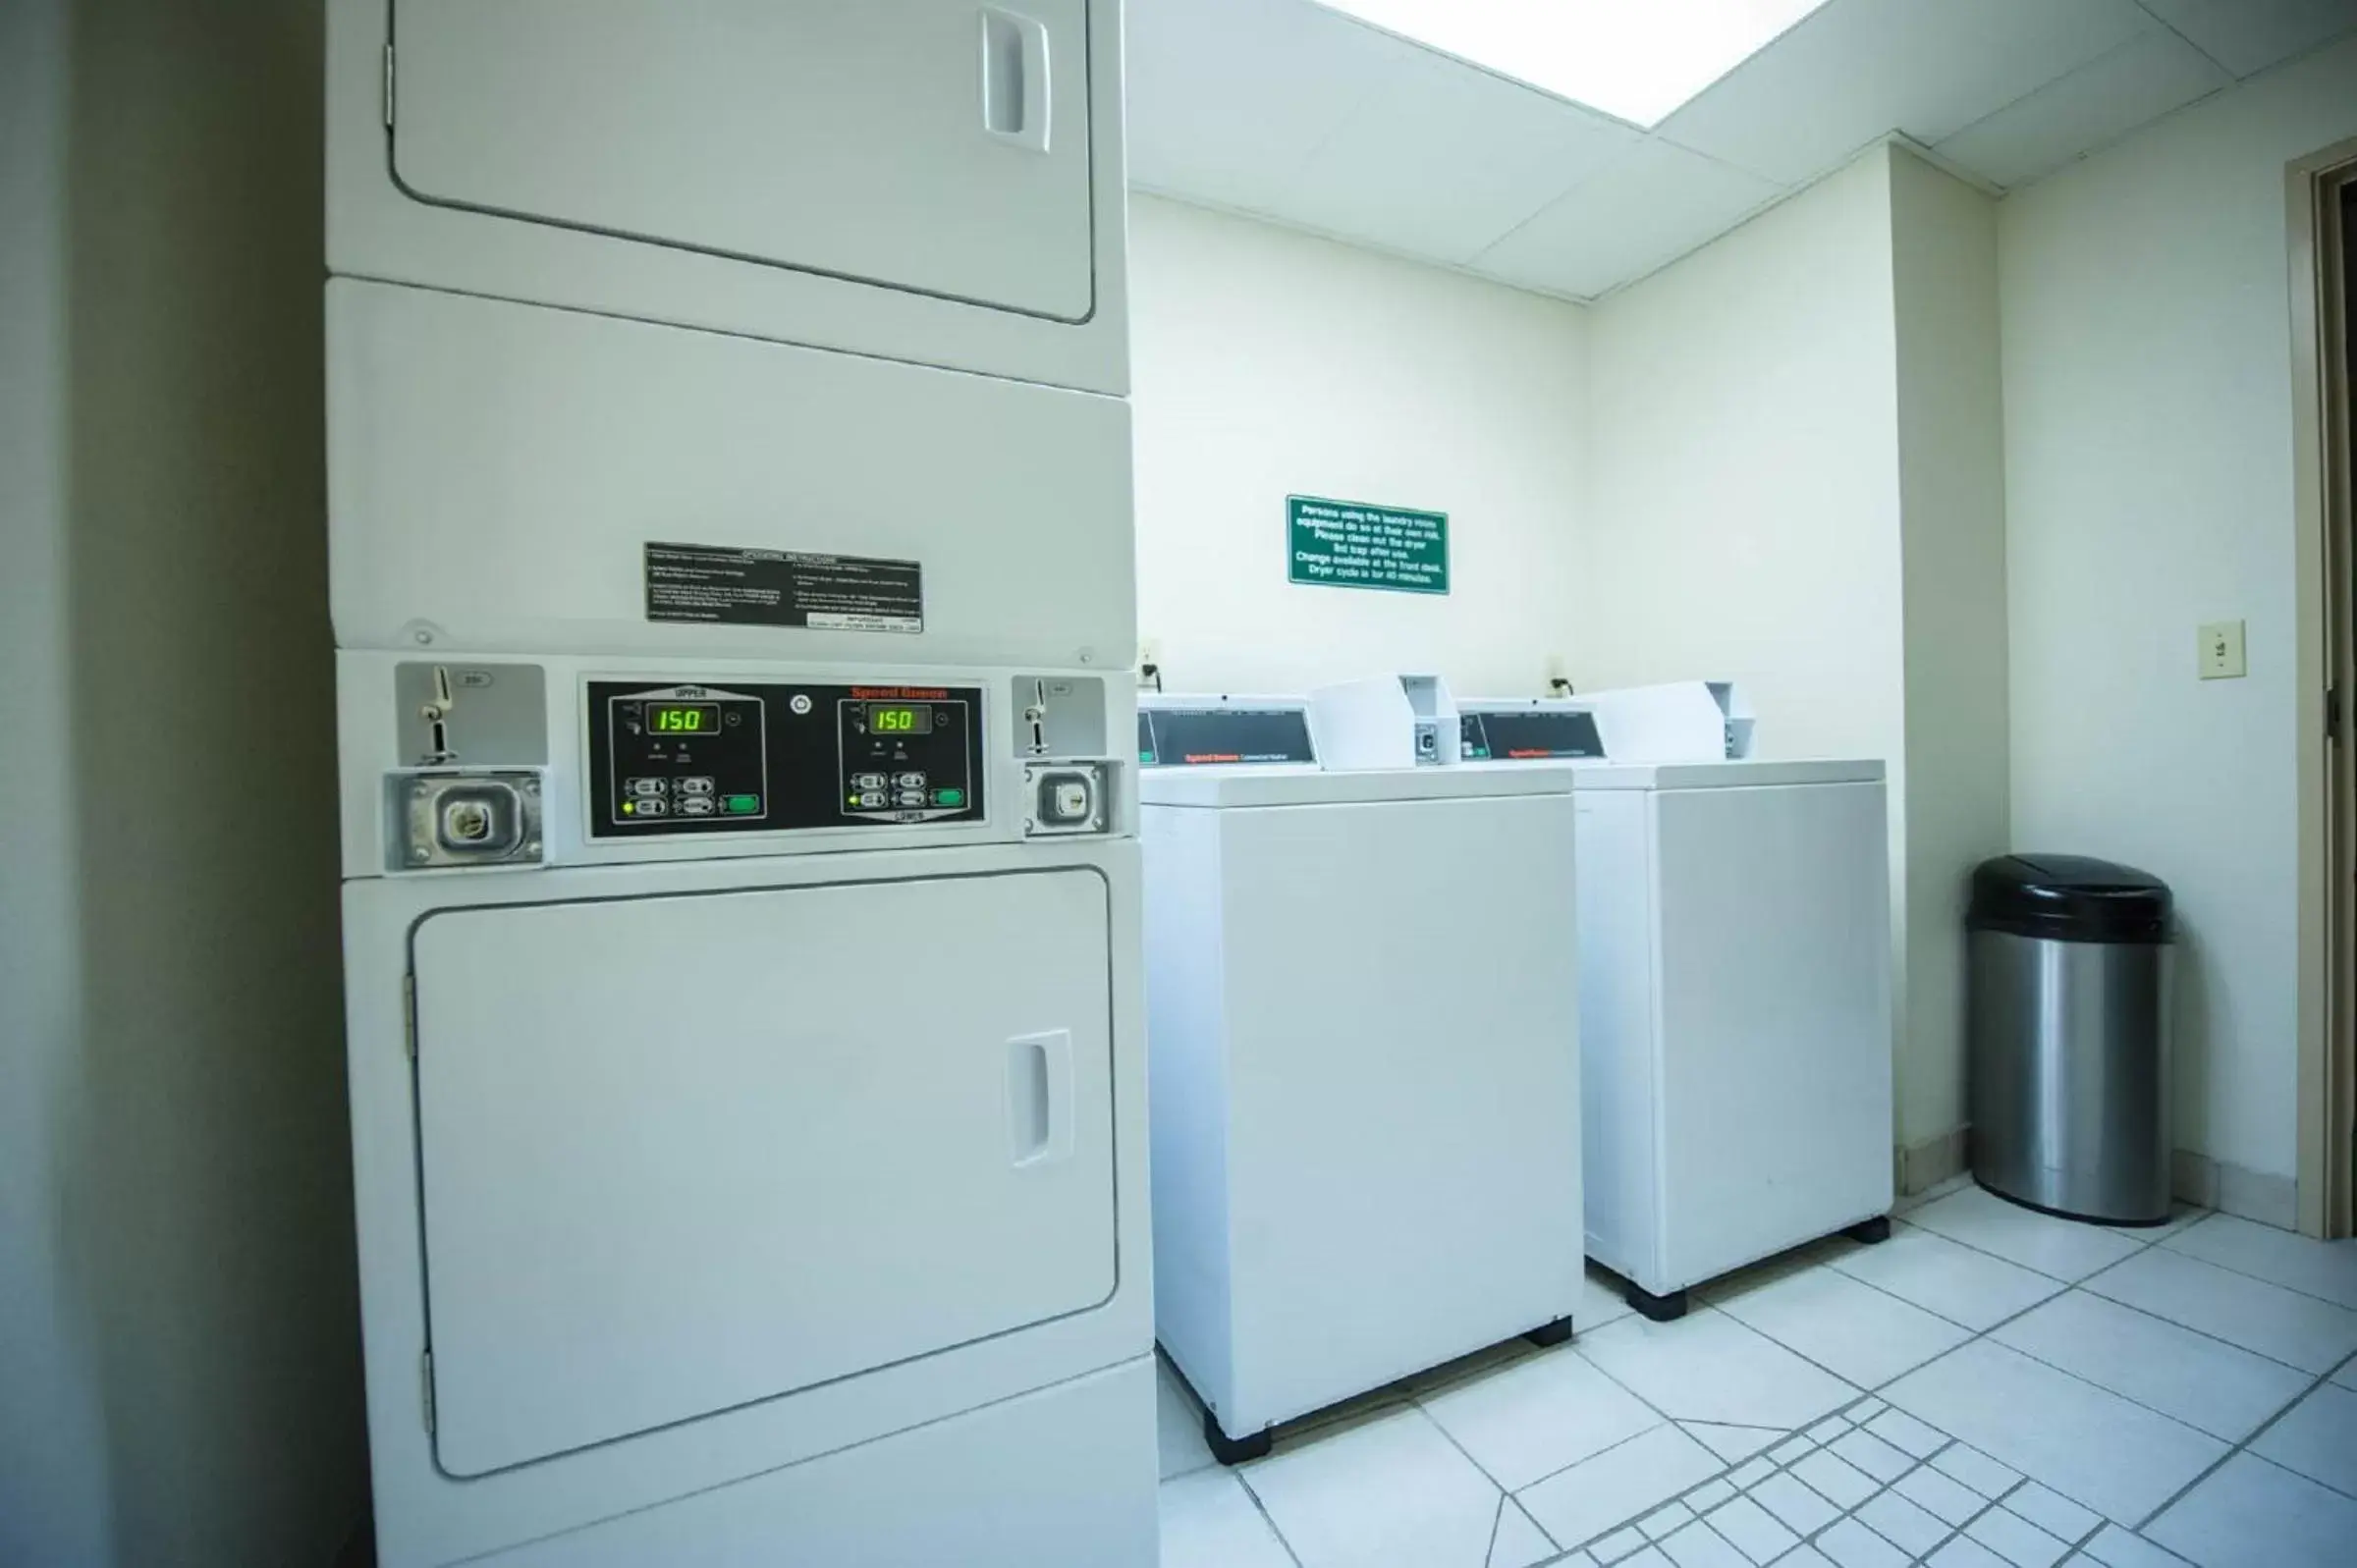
(2222, 651)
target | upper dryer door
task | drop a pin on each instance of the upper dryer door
(938, 147)
(682, 1153)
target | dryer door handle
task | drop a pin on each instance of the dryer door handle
(1015, 79)
(1039, 1097)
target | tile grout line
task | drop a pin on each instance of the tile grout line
(2164, 1237)
(1599, 1454)
(1915, 1465)
(1777, 1469)
(1261, 1508)
(1863, 1389)
(1505, 1493)
(2204, 1333)
(2017, 1263)
(1951, 1533)
(2229, 1457)
(2073, 1549)
(2063, 1286)
(2070, 1285)
(1854, 1514)
(1410, 1396)
(1722, 1474)
(1834, 1265)
(2150, 1410)
(2145, 1237)
(1851, 1514)
(1606, 1374)
(2229, 1268)
(2067, 1286)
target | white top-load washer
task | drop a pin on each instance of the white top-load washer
(1734, 983)
(1366, 1163)
(742, 899)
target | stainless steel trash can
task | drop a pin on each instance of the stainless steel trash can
(2068, 1031)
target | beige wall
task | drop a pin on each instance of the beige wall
(1744, 505)
(2149, 486)
(1795, 463)
(1268, 363)
(178, 1325)
(1953, 593)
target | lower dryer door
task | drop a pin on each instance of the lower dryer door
(682, 1153)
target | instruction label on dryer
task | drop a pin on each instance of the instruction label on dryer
(784, 588)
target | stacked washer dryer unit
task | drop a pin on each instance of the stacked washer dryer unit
(1365, 1059)
(731, 531)
(1734, 981)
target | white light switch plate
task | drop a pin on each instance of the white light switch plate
(2222, 651)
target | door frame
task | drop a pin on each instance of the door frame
(2322, 252)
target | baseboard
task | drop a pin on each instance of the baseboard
(1924, 1166)
(2193, 1179)
(2231, 1189)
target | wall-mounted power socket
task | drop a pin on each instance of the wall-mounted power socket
(2221, 657)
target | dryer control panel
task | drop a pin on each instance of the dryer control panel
(693, 758)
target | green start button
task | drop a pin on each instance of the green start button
(949, 797)
(742, 805)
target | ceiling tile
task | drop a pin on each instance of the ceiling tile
(2248, 35)
(1858, 69)
(1443, 159)
(1642, 210)
(1228, 98)
(2091, 107)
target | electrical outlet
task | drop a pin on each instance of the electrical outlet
(2222, 651)
(1559, 672)
(1149, 652)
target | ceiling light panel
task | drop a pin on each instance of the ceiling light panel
(1636, 60)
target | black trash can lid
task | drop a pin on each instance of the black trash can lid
(2069, 898)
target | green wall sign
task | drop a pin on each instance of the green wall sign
(1348, 543)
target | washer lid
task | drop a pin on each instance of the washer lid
(1315, 786)
(1738, 774)
(2069, 898)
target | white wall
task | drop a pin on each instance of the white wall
(1952, 539)
(1795, 479)
(2148, 435)
(179, 1355)
(1743, 512)
(1269, 363)
(1742, 506)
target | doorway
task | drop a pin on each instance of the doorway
(2323, 192)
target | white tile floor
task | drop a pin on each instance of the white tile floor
(1989, 1388)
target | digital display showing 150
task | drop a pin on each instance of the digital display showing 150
(682, 718)
(897, 719)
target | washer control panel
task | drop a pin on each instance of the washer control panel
(692, 759)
